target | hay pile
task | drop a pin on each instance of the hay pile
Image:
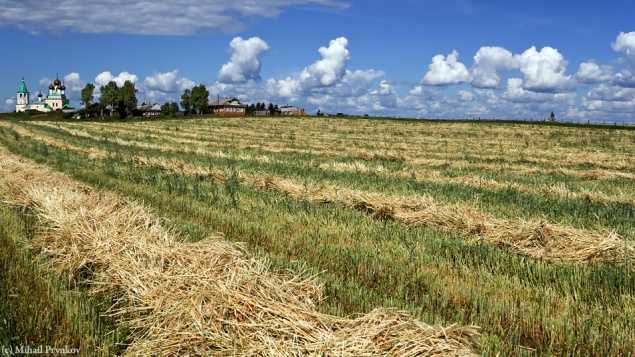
(207, 298)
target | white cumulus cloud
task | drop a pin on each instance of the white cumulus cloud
(446, 70)
(610, 99)
(330, 69)
(611, 93)
(516, 92)
(383, 98)
(625, 42)
(544, 71)
(167, 82)
(351, 84)
(591, 72)
(104, 78)
(466, 96)
(417, 91)
(163, 87)
(45, 82)
(287, 87)
(625, 78)
(384, 88)
(245, 61)
(362, 78)
(9, 105)
(488, 62)
(325, 77)
(326, 83)
(73, 82)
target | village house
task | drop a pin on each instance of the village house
(268, 113)
(288, 110)
(149, 110)
(228, 107)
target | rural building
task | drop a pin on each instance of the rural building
(268, 113)
(150, 110)
(55, 100)
(228, 107)
(291, 110)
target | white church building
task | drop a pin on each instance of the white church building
(55, 100)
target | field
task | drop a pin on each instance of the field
(525, 230)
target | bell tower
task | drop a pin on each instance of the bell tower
(23, 97)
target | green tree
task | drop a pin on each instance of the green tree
(166, 110)
(199, 98)
(109, 97)
(128, 99)
(186, 103)
(169, 109)
(87, 94)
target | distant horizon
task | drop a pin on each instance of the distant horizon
(454, 59)
(596, 122)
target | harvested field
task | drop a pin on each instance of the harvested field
(204, 298)
(593, 195)
(515, 159)
(537, 239)
(525, 230)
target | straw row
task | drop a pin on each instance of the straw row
(475, 181)
(538, 239)
(451, 159)
(250, 134)
(206, 298)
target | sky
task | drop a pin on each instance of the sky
(399, 58)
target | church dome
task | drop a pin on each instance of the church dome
(51, 87)
(63, 87)
(23, 87)
(39, 95)
(57, 82)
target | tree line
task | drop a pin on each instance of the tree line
(253, 108)
(123, 101)
(117, 101)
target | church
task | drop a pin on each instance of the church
(55, 100)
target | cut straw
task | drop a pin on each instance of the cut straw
(205, 298)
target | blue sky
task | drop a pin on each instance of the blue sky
(408, 58)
